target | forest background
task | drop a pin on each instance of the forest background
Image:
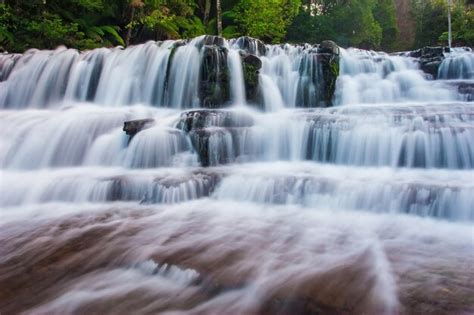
(389, 25)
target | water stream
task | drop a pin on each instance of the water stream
(266, 206)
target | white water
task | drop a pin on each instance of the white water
(365, 207)
(237, 88)
(458, 65)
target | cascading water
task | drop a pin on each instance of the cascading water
(241, 186)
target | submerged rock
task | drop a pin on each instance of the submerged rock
(464, 88)
(204, 118)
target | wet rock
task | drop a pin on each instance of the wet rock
(212, 40)
(214, 88)
(7, 63)
(132, 127)
(174, 47)
(430, 58)
(252, 45)
(251, 65)
(328, 47)
(197, 119)
(213, 134)
(465, 88)
(328, 59)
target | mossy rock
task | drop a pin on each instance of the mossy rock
(251, 65)
(214, 81)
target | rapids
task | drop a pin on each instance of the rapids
(269, 202)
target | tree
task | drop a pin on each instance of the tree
(463, 25)
(431, 21)
(219, 17)
(265, 19)
(384, 14)
(349, 23)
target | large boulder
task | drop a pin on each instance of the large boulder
(328, 47)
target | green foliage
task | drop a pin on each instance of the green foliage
(165, 19)
(431, 21)
(47, 24)
(266, 19)
(385, 15)
(86, 24)
(349, 23)
(462, 27)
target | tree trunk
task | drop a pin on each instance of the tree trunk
(205, 7)
(219, 17)
(129, 31)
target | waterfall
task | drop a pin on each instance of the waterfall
(458, 65)
(230, 176)
(237, 90)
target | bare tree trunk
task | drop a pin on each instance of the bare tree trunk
(219, 17)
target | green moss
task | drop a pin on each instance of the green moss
(251, 81)
(330, 68)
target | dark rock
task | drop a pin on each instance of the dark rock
(204, 118)
(253, 60)
(430, 58)
(465, 88)
(132, 127)
(7, 63)
(218, 125)
(173, 49)
(214, 85)
(328, 47)
(212, 40)
(252, 45)
(328, 59)
(251, 65)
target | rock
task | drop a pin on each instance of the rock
(209, 131)
(204, 118)
(328, 55)
(251, 65)
(430, 58)
(253, 60)
(328, 47)
(214, 88)
(465, 88)
(7, 63)
(212, 40)
(252, 45)
(173, 49)
(132, 127)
